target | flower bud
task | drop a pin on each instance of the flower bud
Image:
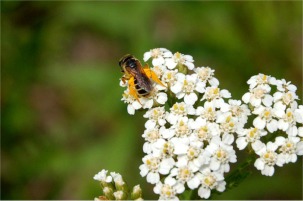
(119, 183)
(120, 195)
(109, 193)
(136, 193)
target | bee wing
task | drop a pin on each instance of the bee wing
(144, 81)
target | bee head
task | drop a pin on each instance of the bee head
(128, 61)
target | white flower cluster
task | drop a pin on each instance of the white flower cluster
(190, 144)
(278, 117)
(191, 124)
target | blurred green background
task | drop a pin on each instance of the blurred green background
(62, 118)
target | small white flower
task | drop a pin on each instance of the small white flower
(265, 118)
(260, 79)
(206, 74)
(221, 155)
(133, 104)
(268, 159)
(102, 176)
(252, 136)
(154, 98)
(185, 174)
(284, 86)
(208, 112)
(182, 127)
(154, 166)
(185, 87)
(179, 110)
(228, 124)
(169, 190)
(238, 110)
(194, 157)
(210, 180)
(156, 116)
(158, 56)
(289, 149)
(151, 136)
(164, 149)
(287, 123)
(170, 77)
(299, 114)
(258, 95)
(215, 95)
(204, 132)
(186, 60)
(286, 98)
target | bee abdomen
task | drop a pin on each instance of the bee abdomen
(140, 90)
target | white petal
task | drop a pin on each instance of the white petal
(158, 61)
(228, 138)
(225, 94)
(130, 110)
(150, 124)
(170, 63)
(193, 183)
(153, 178)
(136, 105)
(146, 56)
(299, 149)
(166, 165)
(272, 126)
(267, 101)
(200, 87)
(190, 99)
(283, 125)
(176, 88)
(271, 146)
(241, 143)
(268, 170)
(143, 170)
(214, 81)
(221, 186)
(257, 145)
(259, 164)
(214, 164)
(179, 187)
(246, 97)
(259, 123)
(162, 98)
(204, 192)
(190, 65)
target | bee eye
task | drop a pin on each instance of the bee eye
(132, 64)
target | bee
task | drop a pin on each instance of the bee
(140, 79)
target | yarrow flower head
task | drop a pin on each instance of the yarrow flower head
(192, 123)
(276, 115)
(189, 133)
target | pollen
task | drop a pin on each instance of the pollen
(209, 181)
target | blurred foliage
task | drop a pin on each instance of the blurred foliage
(62, 118)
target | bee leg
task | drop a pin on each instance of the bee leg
(123, 80)
(151, 74)
(132, 89)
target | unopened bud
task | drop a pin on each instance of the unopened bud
(119, 183)
(120, 195)
(136, 193)
(109, 193)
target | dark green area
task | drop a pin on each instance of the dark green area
(62, 118)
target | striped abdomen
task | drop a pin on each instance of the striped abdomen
(143, 88)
